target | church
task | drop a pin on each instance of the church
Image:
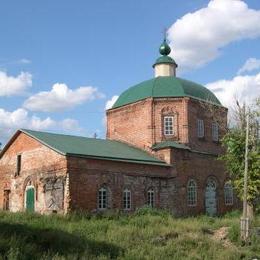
(161, 150)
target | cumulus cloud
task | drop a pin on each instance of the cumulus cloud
(241, 88)
(70, 125)
(198, 37)
(61, 97)
(250, 65)
(10, 85)
(111, 102)
(11, 121)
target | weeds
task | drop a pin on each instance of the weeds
(145, 234)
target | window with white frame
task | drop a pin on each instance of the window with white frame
(215, 131)
(200, 128)
(228, 192)
(168, 125)
(150, 198)
(102, 198)
(192, 193)
(127, 199)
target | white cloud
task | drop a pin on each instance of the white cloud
(20, 118)
(10, 85)
(250, 65)
(242, 88)
(60, 98)
(198, 37)
(111, 102)
(11, 121)
(24, 61)
(70, 125)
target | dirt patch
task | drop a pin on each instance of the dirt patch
(221, 235)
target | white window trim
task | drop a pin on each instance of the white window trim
(215, 131)
(164, 125)
(200, 128)
(103, 204)
(192, 202)
(127, 191)
(150, 202)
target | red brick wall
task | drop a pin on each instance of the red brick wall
(141, 123)
(131, 124)
(199, 167)
(88, 176)
(209, 113)
(38, 162)
(175, 107)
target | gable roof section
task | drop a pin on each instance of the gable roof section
(78, 146)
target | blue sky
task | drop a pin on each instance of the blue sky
(61, 61)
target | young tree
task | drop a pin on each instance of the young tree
(234, 143)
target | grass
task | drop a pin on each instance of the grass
(147, 234)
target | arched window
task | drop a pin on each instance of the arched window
(127, 199)
(102, 198)
(192, 193)
(150, 198)
(228, 192)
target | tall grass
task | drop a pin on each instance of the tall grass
(147, 234)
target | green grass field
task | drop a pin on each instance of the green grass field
(147, 234)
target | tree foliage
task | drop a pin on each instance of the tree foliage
(234, 143)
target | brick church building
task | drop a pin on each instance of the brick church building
(161, 150)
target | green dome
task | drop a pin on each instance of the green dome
(165, 87)
(165, 60)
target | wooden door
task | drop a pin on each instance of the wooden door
(30, 199)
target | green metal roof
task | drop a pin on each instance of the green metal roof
(165, 87)
(166, 144)
(165, 59)
(93, 148)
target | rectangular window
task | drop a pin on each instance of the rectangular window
(150, 198)
(168, 125)
(215, 131)
(18, 164)
(200, 125)
(127, 199)
(102, 198)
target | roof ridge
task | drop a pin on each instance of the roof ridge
(60, 134)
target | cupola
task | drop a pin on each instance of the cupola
(165, 66)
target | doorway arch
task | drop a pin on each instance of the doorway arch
(211, 197)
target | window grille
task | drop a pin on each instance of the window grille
(228, 192)
(200, 125)
(102, 198)
(192, 193)
(150, 198)
(215, 131)
(168, 125)
(127, 199)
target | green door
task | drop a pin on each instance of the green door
(30, 199)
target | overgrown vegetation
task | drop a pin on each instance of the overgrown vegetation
(147, 234)
(234, 143)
